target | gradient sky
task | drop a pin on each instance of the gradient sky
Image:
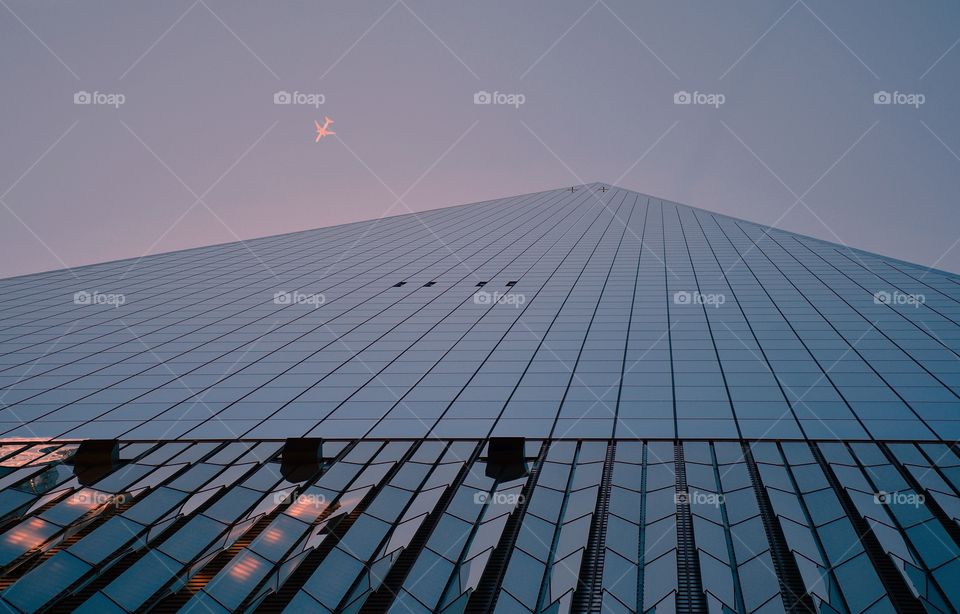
(200, 154)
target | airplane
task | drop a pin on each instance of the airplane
(322, 130)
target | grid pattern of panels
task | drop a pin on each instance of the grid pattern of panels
(590, 312)
(378, 526)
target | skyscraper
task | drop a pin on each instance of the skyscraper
(584, 399)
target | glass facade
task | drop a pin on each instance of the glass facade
(717, 416)
(584, 313)
(423, 526)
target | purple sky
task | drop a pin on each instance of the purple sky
(198, 152)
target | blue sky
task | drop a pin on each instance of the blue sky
(782, 128)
